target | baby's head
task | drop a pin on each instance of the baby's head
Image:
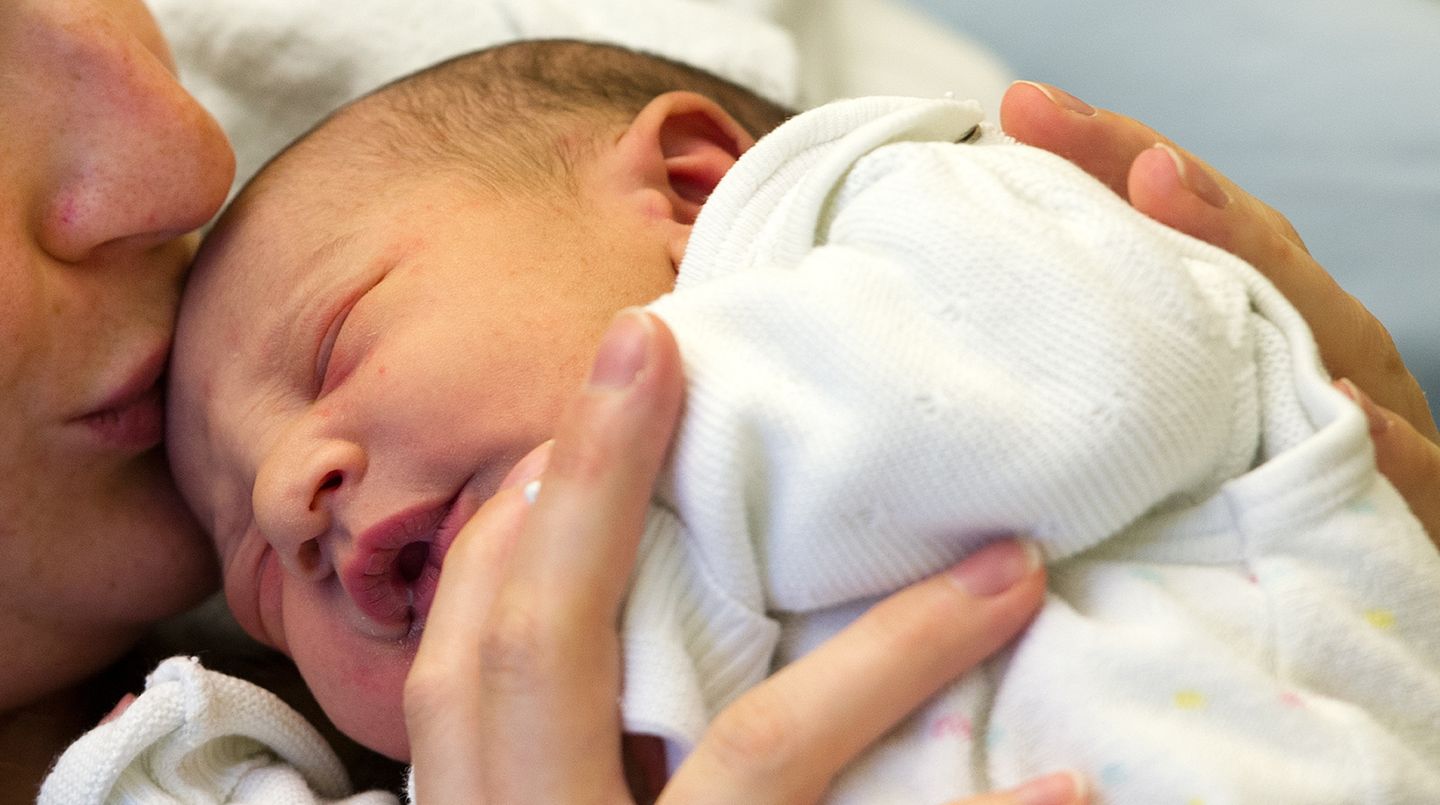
(393, 312)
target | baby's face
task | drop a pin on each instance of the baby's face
(353, 378)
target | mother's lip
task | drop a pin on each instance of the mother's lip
(138, 383)
(137, 425)
(131, 415)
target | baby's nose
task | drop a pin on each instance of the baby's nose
(299, 491)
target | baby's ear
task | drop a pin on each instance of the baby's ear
(682, 144)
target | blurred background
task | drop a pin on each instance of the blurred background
(1326, 109)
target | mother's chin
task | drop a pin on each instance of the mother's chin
(93, 575)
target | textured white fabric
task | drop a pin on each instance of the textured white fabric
(898, 347)
(197, 737)
(269, 69)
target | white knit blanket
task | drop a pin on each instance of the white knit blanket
(197, 737)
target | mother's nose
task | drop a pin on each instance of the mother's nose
(135, 159)
(300, 491)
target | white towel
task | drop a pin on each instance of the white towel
(197, 737)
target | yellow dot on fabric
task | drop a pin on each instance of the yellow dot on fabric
(1189, 699)
(1381, 618)
(1196, 801)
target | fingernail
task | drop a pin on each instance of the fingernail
(528, 469)
(997, 567)
(1376, 418)
(623, 352)
(1062, 99)
(1060, 788)
(1196, 179)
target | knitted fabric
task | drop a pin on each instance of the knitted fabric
(899, 347)
(197, 737)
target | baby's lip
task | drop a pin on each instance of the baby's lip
(373, 575)
(462, 508)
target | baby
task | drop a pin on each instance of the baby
(903, 335)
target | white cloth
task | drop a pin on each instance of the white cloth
(269, 69)
(898, 347)
(197, 737)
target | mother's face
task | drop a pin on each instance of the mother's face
(104, 163)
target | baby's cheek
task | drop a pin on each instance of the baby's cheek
(358, 680)
(269, 602)
(253, 592)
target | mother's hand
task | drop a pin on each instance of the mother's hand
(513, 694)
(1170, 185)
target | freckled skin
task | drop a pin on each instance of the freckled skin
(107, 161)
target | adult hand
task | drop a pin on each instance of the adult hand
(512, 697)
(1170, 185)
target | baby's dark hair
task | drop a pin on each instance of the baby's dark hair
(519, 114)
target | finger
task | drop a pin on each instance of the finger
(1106, 145)
(1060, 788)
(1101, 143)
(444, 706)
(1170, 186)
(784, 740)
(1409, 460)
(119, 708)
(551, 653)
(1177, 189)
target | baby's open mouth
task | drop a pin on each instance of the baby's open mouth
(411, 561)
(392, 575)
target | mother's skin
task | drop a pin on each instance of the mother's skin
(104, 163)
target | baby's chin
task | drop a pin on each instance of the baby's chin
(363, 696)
(375, 726)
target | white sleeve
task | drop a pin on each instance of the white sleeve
(983, 341)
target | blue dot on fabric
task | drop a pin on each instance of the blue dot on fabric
(1113, 774)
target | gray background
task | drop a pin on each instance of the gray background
(1328, 110)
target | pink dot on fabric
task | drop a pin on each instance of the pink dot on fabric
(1291, 699)
(951, 725)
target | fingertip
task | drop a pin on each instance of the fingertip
(1059, 98)
(1060, 788)
(1156, 187)
(624, 352)
(1028, 114)
(997, 567)
(1375, 416)
(1194, 178)
(119, 709)
(528, 469)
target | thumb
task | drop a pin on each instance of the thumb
(1408, 459)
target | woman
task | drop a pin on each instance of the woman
(107, 164)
